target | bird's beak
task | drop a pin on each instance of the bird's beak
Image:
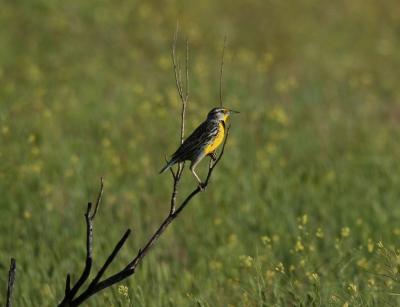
(233, 112)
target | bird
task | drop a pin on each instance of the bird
(203, 141)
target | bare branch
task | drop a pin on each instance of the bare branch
(70, 294)
(176, 65)
(184, 99)
(187, 71)
(174, 193)
(110, 258)
(97, 284)
(99, 196)
(221, 72)
(178, 80)
(11, 281)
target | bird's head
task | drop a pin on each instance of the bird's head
(220, 113)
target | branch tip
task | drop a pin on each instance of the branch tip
(99, 197)
(222, 71)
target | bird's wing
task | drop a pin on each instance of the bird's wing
(194, 142)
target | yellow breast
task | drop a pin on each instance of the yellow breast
(217, 140)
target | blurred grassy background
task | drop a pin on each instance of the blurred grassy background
(309, 184)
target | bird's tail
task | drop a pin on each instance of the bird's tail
(167, 166)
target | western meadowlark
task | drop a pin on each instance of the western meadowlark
(203, 141)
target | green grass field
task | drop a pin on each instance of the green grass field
(303, 210)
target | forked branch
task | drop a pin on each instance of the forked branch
(71, 297)
(96, 285)
(84, 288)
(184, 97)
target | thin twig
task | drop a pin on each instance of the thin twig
(99, 196)
(72, 298)
(221, 72)
(186, 97)
(184, 100)
(176, 65)
(174, 193)
(11, 281)
(187, 71)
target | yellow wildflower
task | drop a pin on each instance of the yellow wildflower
(352, 288)
(106, 142)
(278, 114)
(5, 130)
(27, 215)
(345, 232)
(265, 240)
(370, 245)
(319, 233)
(215, 265)
(315, 276)
(123, 290)
(269, 275)
(371, 282)
(280, 268)
(35, 150)
(47, 113)
(217, 221)
(362, 263)
(74, 159)
(246, 261)
(232, 239)
(312, 276)
(304, 219)
(334, 298)
(31, 138)
(138, 89)
(299, 246)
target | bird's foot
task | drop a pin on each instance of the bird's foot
(213, 156)
(202, 186)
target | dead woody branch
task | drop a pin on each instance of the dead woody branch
(87, 286)
(96, 285)
(176, 176)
